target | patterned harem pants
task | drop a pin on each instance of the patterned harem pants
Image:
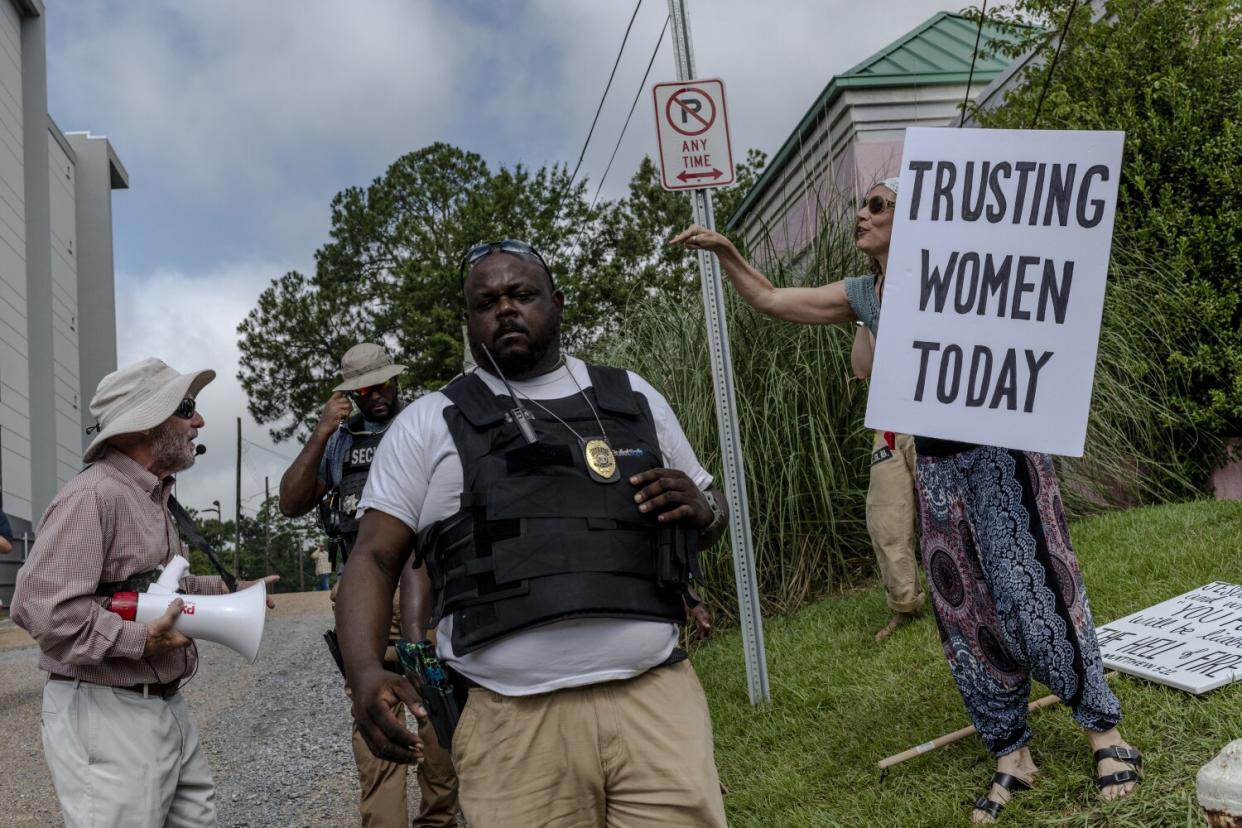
(1007, 591)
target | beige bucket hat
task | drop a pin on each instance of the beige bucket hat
(138, 397)
(366, 364)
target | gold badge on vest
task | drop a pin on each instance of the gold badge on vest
(601, 462)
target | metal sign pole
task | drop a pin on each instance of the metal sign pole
(726, 410)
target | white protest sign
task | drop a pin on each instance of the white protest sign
(692, 129)
(995, 286)
(1192, 642)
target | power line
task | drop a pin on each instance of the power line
(1053, 66)
(569, 185)
(641, 86)
(973, 57)
(607, 87)
(633, 104)
(268, 450)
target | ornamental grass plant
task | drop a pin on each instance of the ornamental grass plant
(801, 426)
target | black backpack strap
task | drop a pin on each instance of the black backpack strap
(613, 391)
(195, 538)
(134, 583)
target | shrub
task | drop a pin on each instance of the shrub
(1168, 73)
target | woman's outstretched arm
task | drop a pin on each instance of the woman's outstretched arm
(824, 305)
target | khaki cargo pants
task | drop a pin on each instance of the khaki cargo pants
(891, 514)
(621, 754)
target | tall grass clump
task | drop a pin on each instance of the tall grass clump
(801, 416)
(801, 425)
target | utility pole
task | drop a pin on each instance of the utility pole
(726, 408)
(267, 527)
(237, 509)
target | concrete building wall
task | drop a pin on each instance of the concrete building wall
(14, 352)
(57, 302)
(63, 229)
(98, 173)
(39, 333)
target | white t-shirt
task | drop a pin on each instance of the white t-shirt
(416, 477)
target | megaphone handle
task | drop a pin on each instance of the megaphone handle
(170, 579)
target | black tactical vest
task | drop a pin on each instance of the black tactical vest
(355, 467)
(537, 540)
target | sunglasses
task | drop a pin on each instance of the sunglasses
(186, 410)
(514, 246)
(876, 204)
(359, 394)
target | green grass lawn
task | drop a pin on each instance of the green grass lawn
(841, 702)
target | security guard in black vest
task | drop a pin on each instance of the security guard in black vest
(330, 472)
(559, 508)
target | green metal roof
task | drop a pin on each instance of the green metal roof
(938, 51)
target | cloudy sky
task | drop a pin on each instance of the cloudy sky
(238, 122)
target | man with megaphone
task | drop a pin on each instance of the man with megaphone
(121, 744)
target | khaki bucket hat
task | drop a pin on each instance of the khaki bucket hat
(138, 397)
(366, 364)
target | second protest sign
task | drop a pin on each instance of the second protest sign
(995, 286)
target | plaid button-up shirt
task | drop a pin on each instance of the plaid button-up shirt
(108, 523)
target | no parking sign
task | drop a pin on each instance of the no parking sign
(693, 134)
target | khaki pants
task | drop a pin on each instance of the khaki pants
(383, 802)
(891, 510)
(623, 754)
(121, 759)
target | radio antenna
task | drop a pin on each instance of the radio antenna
(519, 414)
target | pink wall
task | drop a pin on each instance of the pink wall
(854, 170)
(875, 161)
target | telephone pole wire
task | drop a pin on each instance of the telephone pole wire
(237, 508)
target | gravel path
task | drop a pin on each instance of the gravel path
(276, 733)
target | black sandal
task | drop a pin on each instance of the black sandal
(1121, 753)
(1010, 783)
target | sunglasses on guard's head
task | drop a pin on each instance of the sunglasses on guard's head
(186, 409)
(515, 246)
(877, 204)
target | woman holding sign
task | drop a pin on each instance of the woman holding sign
(1006, 588)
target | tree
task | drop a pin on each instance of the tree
(638, 230)
(1168, 73)
(291, 540)
(390, 272)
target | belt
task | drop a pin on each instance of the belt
(164, 691)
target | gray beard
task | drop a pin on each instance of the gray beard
(172, 450)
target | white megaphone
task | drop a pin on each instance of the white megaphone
(234, 620)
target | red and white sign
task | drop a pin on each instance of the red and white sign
(693, 134)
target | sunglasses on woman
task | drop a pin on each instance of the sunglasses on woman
(877, 204)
